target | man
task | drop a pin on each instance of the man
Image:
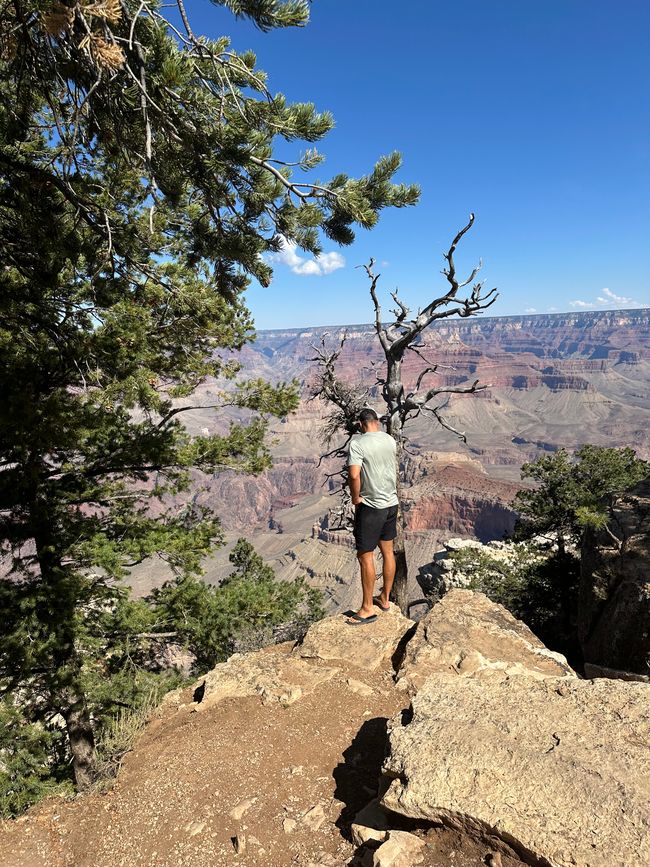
(372, 476)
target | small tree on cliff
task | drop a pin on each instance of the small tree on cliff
(397, 337)
(538, 577)
(138, 194)
(245, 607)
(574, 493)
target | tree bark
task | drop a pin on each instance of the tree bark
(393, 389)
(58, 619)
(82, 742)
(400, 587)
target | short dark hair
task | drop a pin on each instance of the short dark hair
(367, 415)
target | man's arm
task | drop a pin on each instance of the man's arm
(354, 481)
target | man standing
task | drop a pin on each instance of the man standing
(372, 476)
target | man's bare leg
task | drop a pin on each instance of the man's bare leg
(368, 577)
(388, 571)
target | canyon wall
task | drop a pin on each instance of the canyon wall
(557, 380)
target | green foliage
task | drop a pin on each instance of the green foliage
(573, 493)
(538, 585)
(268, 14)
(28, 769)
(505, 579)
(139, 196)
(119, 677)
(248, 604)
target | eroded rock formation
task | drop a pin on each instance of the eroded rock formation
(545, 765)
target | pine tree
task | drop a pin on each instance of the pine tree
(139, 193)
(574, 492)
(245, 606)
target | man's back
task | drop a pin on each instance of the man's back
(374, 452)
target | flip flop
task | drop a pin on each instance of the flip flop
(356, 619)
(379, 605)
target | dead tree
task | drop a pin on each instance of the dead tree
(346, 401)
(396, 338)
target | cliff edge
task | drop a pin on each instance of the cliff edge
(460, 740)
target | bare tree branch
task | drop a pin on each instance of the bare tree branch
(381, 333)
(423, 373)
(403, 311)
(435, 410)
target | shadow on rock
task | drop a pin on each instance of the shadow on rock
(357, 777)
(400, 651)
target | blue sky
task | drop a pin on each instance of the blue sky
(534, 114)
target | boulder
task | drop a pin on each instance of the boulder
(401, 849)
(273, 674)
(367, 646)
(465, 634)
(557, 768)
(614, 605)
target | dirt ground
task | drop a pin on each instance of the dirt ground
(239, 784)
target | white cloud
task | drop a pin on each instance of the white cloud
(530, 310)
(330, 262)
(607, 299)
(314, 267)
(616, 299)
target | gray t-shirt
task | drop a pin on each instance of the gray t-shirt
(374, 452)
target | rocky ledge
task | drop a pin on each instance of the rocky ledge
(497, 754)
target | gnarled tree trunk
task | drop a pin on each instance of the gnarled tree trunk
(82, 742)
(393, 389)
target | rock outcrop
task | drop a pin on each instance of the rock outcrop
(467, 635)
(504, 741)
(548, 766)
(273, 674)
(327, 642)
(504, 757)
(614, 609)
(459, 499)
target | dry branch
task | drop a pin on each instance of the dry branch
(396, 337)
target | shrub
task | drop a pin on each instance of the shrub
(31, 762)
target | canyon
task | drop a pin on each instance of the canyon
(552, 381)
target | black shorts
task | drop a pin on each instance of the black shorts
(372, 525)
